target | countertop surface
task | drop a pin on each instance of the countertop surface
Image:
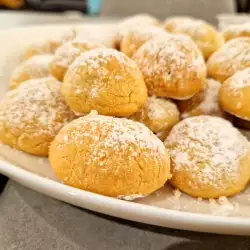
(31, 221)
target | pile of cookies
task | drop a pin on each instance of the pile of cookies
(120, 109)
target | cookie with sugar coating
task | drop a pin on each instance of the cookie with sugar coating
(33, 68)
(104, 80)
(210, 158)
(202, 33)
(110, 156)
(234, 95)
(135, 37)
(49, 46)
(32, 114)
(230, 58)
(206, 102)
(67, 53)
(158, 114)
(237, 30)
(172, 67)
(133, 21)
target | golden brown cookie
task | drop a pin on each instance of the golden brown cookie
(49, 46)
(135, 37)
(67, 53)
(172, 67)
(32, 114)
(202, 33)
(110, 156)
(33, 68)
(237, 30)
(206, 102)
(210, 158)
(158, 114)
(230, 58)
(234, 95)
(104, 80)
(133, 21)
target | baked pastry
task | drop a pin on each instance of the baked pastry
(104, 80)
(234, 95)
(133, 21)
(32, 114)
(67, 53)
(230, 58)
(210, 158)
(135, 37)
(104, 34)
(202, 33)
(35, 67)
(158, 114)
(206, 102)
(172, 67)
(110, 156)
(49, 46)
(237, 30)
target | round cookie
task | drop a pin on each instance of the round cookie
(104, 34)
(133, 21)
(104, 80)
(230, 58)
(202, 33)
(237, 30)
(35, 67)
(67, 53)
(158, 114)
(49, 46)
(206, 102)
(172, 67)
(32, 114)
(210, 158)
(234, 95)
(110, 156)
(135, 37)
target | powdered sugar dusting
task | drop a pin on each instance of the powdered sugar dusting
(209, 104)
(236, 30)
(239, 80)
(35, 66)
(187, 25)
(159, 108)
(130, 197)
(118, 135)
(210, 142)
(170, 59)
(36, 103)
(231, 57)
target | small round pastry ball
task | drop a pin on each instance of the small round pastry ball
(49, 46)
(237, 30)
(134, 21)
(33, 68)
(158, 114)
(104, 34)
(206, 102)
(230, 58)
(172, 67)
(210, 158)
(110, 156)
(202, 33)
(67, 53)
(32, 114)
(234, 95)
(135, 37)
(104, 80)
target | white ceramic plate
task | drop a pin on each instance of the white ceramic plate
(166, 207)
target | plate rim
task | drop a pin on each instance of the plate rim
(125, 209)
